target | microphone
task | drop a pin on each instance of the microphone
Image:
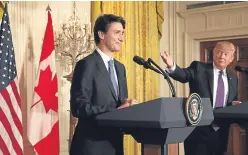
(241, 69)
(138, 60)
(166, 76)
(144, 63)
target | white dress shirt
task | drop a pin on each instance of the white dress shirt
(105, 59)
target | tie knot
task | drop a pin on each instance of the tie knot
(111, 62)
(220, 73)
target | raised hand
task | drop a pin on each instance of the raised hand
(167, 59)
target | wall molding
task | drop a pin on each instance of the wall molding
(184, 30)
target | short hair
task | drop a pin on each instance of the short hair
(220, 43)
(102, 23)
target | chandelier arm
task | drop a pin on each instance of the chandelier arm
(74, 42)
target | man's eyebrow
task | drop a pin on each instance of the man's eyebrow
(117, 30)
(222, 51)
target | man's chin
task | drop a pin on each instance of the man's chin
(222, 66)
(116, 50)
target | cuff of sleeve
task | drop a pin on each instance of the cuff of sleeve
(172, 69)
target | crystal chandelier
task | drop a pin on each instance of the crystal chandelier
(73, 43)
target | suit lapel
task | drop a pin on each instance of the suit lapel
(230, 85)
(210, 77)
(100, 64)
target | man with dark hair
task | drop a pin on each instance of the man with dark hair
(214, 81)
(99, 85)
(102, 24)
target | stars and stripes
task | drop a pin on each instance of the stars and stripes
(11, 140)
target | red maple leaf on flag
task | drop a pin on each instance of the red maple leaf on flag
(48, 96)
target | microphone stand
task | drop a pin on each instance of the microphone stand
(166, 76)
(149, 66)
(245, 126)
(164, 149)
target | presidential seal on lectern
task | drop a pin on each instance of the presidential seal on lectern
(193, 109)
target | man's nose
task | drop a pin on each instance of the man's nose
(222, 55)
(121, 38)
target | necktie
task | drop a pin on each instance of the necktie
(112, 76)
(219, 102)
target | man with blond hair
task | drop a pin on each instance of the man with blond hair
(214, 81)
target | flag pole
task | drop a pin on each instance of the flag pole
(48, 8)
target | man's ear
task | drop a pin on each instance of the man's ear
(101, 35)
(232, 57)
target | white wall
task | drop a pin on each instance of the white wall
(183, 30)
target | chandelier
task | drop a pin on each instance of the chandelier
(73, 43)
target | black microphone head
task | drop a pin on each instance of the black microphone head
(138, 60)
(238, 68)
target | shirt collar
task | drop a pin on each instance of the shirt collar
(104, 56)
(216, 70)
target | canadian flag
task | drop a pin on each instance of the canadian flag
(43, 126)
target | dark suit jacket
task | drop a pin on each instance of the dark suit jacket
(200, 77)
(92, 93)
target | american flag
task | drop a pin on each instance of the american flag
(11, 140)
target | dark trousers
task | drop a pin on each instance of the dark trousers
(98, 141)
(206, 141)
